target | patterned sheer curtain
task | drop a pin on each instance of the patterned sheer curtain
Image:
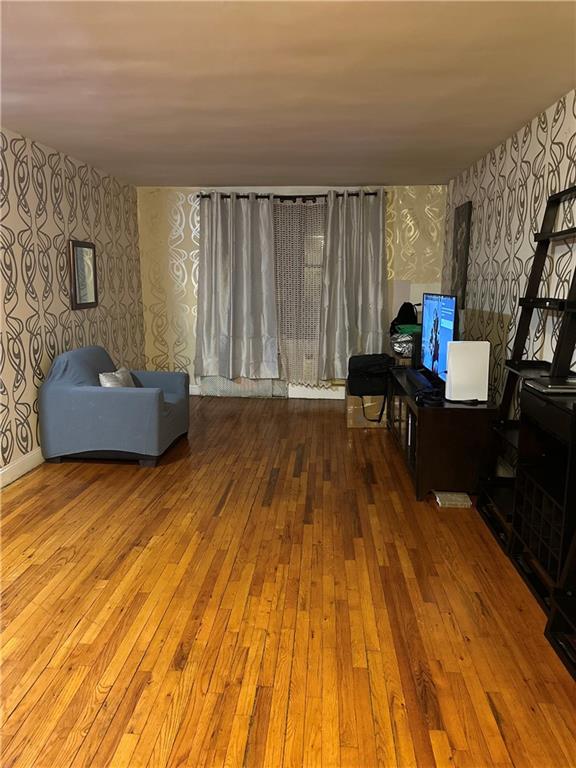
(299, 229)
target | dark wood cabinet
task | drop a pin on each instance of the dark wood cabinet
(446, 448)
(545, 501)
(543, 541)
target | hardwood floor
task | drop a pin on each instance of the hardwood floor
(269, 595)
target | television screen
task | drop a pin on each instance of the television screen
(438, 328)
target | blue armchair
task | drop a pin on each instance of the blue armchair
(80, 418)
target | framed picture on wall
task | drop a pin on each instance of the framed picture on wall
(460, 250)
(83, 282)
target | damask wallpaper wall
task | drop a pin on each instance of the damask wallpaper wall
(169, 227)
(168, 220)
(509, 188)
(46, 198)
(415, 221)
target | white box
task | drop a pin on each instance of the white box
(468, 364)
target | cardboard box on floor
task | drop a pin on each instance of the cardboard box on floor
(355, 416)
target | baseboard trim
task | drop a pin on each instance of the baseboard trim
(20, 466)
(300, 392)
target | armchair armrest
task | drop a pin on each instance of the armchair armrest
(144, 396)
(74, 419)
(175, 382)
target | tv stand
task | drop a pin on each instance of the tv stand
(446, 448)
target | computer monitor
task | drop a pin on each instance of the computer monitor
(439, 326)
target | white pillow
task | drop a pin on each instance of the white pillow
(120, 378)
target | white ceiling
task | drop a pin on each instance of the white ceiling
(242, 93)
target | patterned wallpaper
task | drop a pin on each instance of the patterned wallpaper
(169, 226)
(46, 198)
(168, 222)
(415, 232)
(508, 189)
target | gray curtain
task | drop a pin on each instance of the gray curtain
(353, 314)
(236, 330)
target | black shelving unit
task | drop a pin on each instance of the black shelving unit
(518, 367)
(495, 500)
(529, 498)
(495, 504)
(496, 497)
(562, 234)
(561, 627)
(543, 533)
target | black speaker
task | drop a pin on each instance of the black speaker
(416, 350)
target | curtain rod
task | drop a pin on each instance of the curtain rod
(292, 197)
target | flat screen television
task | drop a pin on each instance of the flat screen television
(439, 326)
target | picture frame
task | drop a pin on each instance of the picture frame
(460, 251)
(83, 275)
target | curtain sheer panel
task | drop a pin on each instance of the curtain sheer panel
(236, 332)
(353, 316)
(299, 228)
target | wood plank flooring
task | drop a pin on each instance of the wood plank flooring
(270, 595)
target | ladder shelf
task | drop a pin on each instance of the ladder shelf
(533, 515)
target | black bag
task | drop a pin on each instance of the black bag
(407, 315)
(368, 375)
